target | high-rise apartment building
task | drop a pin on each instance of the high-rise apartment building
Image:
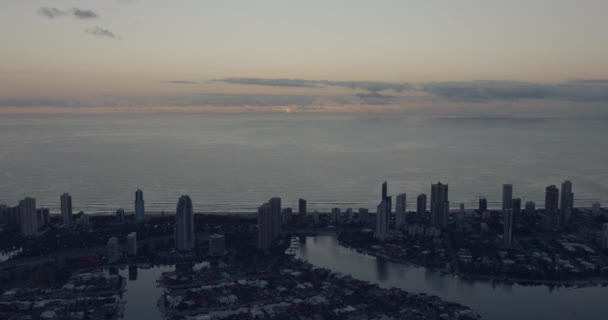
(28, 219)
(566, 202)
(552, 207)
(184, 224)
(66, 208)
(401, 211)
(302, 211)
(421, 204)
(265, 226)
(382, 219)
(440, 205)
(140, 213)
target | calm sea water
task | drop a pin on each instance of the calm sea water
(234, 162)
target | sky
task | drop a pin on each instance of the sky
(231, 55)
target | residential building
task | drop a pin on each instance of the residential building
(28, 219)
(440, 205)
(302, 211)
(421, 204)
(265, 226)
(508, 228)
(140, 213)
(66, 208)
(382, 219)
(566, 202)
(552, 207)
(184, 224)
(401, 211)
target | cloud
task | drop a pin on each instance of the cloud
(84, 14)
(482, 91)
(492, 119)
(374, 95)
(590, 81)
(372, 86)
(101, 32)
(181, 82)
(581, 90)
(375, 98)
(51, 12)
(236, 100)
(28, 102)
(272, 82)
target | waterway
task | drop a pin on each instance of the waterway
(491, 300)
(142, 292)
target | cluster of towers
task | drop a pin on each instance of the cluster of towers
(440, 208)
(558, 209)
(29, 218)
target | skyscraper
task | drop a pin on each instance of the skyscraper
(139, 205)
(551, 207)
(440, 205)
(66, 208)
(28, 219)
(275, 210)
(120, 215)
(184, 224)
(401, 211)
(483, 205)
(382, 219)
(302, 211)
(384, 190)
(386, 197)
(335, 215)
(566, 202)
(507, 197)
(348, 214)
(265, 226)
(421, 204)
(516, 206)
(508, 228)
(43, 216)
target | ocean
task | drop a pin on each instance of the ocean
(235, 162)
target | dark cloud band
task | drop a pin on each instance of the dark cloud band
(52, 12)
(582, 90)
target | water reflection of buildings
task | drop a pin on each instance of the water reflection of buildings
(132, 272)
(381, 269)
(434, 279)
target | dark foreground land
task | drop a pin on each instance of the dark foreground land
(70, 278)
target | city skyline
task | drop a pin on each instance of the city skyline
(563, 208)
(74, 57)
(344, 159)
